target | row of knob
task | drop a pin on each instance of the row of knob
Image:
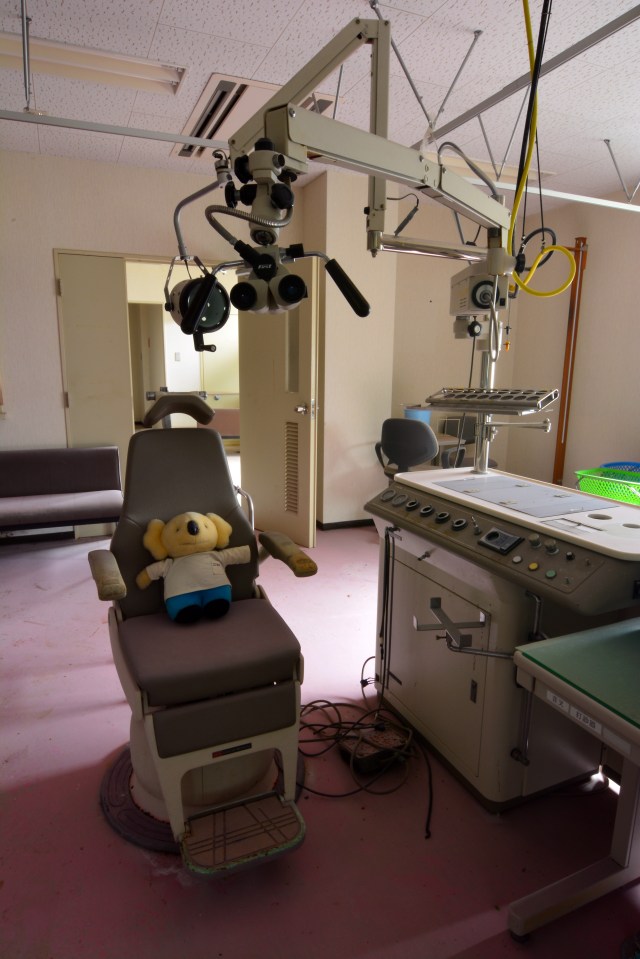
(549, 545)
(401, 499)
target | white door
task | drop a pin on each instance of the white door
(278, 425)
(96, 365)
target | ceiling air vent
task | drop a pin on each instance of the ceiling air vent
(226, 103)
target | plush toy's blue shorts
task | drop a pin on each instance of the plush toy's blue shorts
(221, 595)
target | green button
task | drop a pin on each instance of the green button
(551, 574)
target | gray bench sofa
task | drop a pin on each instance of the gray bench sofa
(45, 488)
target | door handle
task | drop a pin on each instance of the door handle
(304, 409)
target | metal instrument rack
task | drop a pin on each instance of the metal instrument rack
(512, 402)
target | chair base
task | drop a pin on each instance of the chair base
(235, 835)
(202, 787)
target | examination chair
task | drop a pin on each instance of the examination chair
(215, 703)
(405, 443)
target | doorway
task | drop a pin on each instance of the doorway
(163, 358)
(280, 362)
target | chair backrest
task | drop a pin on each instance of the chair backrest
(406, 442)
(169, 472)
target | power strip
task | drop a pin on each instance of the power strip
(374, 750)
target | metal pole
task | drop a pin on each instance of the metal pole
(476, 35)
(628, 195)
(374, 6)
(26, 20)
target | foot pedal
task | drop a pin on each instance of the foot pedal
(241, 833)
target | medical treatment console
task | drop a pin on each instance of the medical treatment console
(471, 566)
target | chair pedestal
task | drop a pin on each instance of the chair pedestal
(201, 788)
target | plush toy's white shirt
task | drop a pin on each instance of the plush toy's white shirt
(186, 574)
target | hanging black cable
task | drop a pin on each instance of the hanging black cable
(535, 76)
(540, 185)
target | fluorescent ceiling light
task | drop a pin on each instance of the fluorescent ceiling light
(97, 66)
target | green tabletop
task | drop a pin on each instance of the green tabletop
(602, 663)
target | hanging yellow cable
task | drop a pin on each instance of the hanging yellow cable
(523, 283)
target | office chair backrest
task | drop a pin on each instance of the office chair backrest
(407, 442)
(169, 472)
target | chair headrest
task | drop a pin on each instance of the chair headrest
(168, 403)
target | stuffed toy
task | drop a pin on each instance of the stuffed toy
(191, 554)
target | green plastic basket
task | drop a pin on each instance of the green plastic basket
(612, 482)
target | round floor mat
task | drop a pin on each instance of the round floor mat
(131, 822)
(122, 814)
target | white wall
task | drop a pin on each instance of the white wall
(603, 424)
(356, 375)
(60, 203)
(50, 203)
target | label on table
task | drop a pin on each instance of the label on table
(578, 714)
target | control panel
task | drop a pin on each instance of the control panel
(572, 574)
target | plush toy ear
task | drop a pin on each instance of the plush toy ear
(152, 539)
(224, 530)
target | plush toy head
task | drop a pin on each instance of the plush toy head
(185, 534)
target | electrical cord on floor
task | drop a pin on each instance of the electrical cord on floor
(340, 731)
(332, 725)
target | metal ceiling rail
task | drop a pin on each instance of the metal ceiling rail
(45, 120)
(569, 54)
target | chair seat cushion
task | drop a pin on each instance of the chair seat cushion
(251, 646)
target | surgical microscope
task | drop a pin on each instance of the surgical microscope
(473, 561)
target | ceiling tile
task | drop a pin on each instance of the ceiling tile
(116, 25)
(594, 97)
(79, 100)
(235, 21)
(314, 25)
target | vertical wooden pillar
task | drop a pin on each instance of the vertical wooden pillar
(580, 253)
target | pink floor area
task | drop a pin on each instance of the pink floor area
(365, 884)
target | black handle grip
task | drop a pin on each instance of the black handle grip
(349, 290)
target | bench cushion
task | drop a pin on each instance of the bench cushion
(44, 471)
(59, 509)
(251, 646)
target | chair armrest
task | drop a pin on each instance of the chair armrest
(283, 548)
(106, 574)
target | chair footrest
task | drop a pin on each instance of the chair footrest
(241, 833)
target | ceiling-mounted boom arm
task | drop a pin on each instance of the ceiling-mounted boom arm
(298, 135)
